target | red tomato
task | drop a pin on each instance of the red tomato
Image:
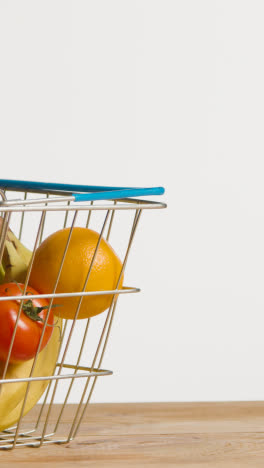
(30, 324)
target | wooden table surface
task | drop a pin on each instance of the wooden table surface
(161, 435)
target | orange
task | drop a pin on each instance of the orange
(104, 273)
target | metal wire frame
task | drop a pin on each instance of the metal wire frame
(39, 435)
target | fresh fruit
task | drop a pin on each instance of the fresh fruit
(104, 273)
(12, 394)
(30, 324)
(16, 258)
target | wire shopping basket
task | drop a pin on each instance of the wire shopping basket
(32, 211)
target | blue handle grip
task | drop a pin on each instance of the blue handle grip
(114, 194)
(89, 192)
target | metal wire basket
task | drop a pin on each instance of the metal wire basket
(40, 206)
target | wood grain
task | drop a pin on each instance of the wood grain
(187, 435)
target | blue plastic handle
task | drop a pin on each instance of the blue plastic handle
(89, 192)
(117, 193)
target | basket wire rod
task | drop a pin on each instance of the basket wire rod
(35, 444)
(42, 229)
(42, 219)
(47, 314)
(10, 431)
(22, 301)
(27, 441)
(110, 314)
(87, 373)
(73, 431)
(125, 206)
(21, 441)
(3, 235)
(3, 195)
(113, 306)
(66, 216)
(92, 366)
(4, 229)
(123, 290)
(89, 215)
(110, 224)
(73, 323)
(4, 438)
(9, 437)
(75, 372)
(36, 201)
(22, 219)
(50, 383)
(76, 424)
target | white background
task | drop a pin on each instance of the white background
(155, 93)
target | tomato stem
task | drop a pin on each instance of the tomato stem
(33, 312)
